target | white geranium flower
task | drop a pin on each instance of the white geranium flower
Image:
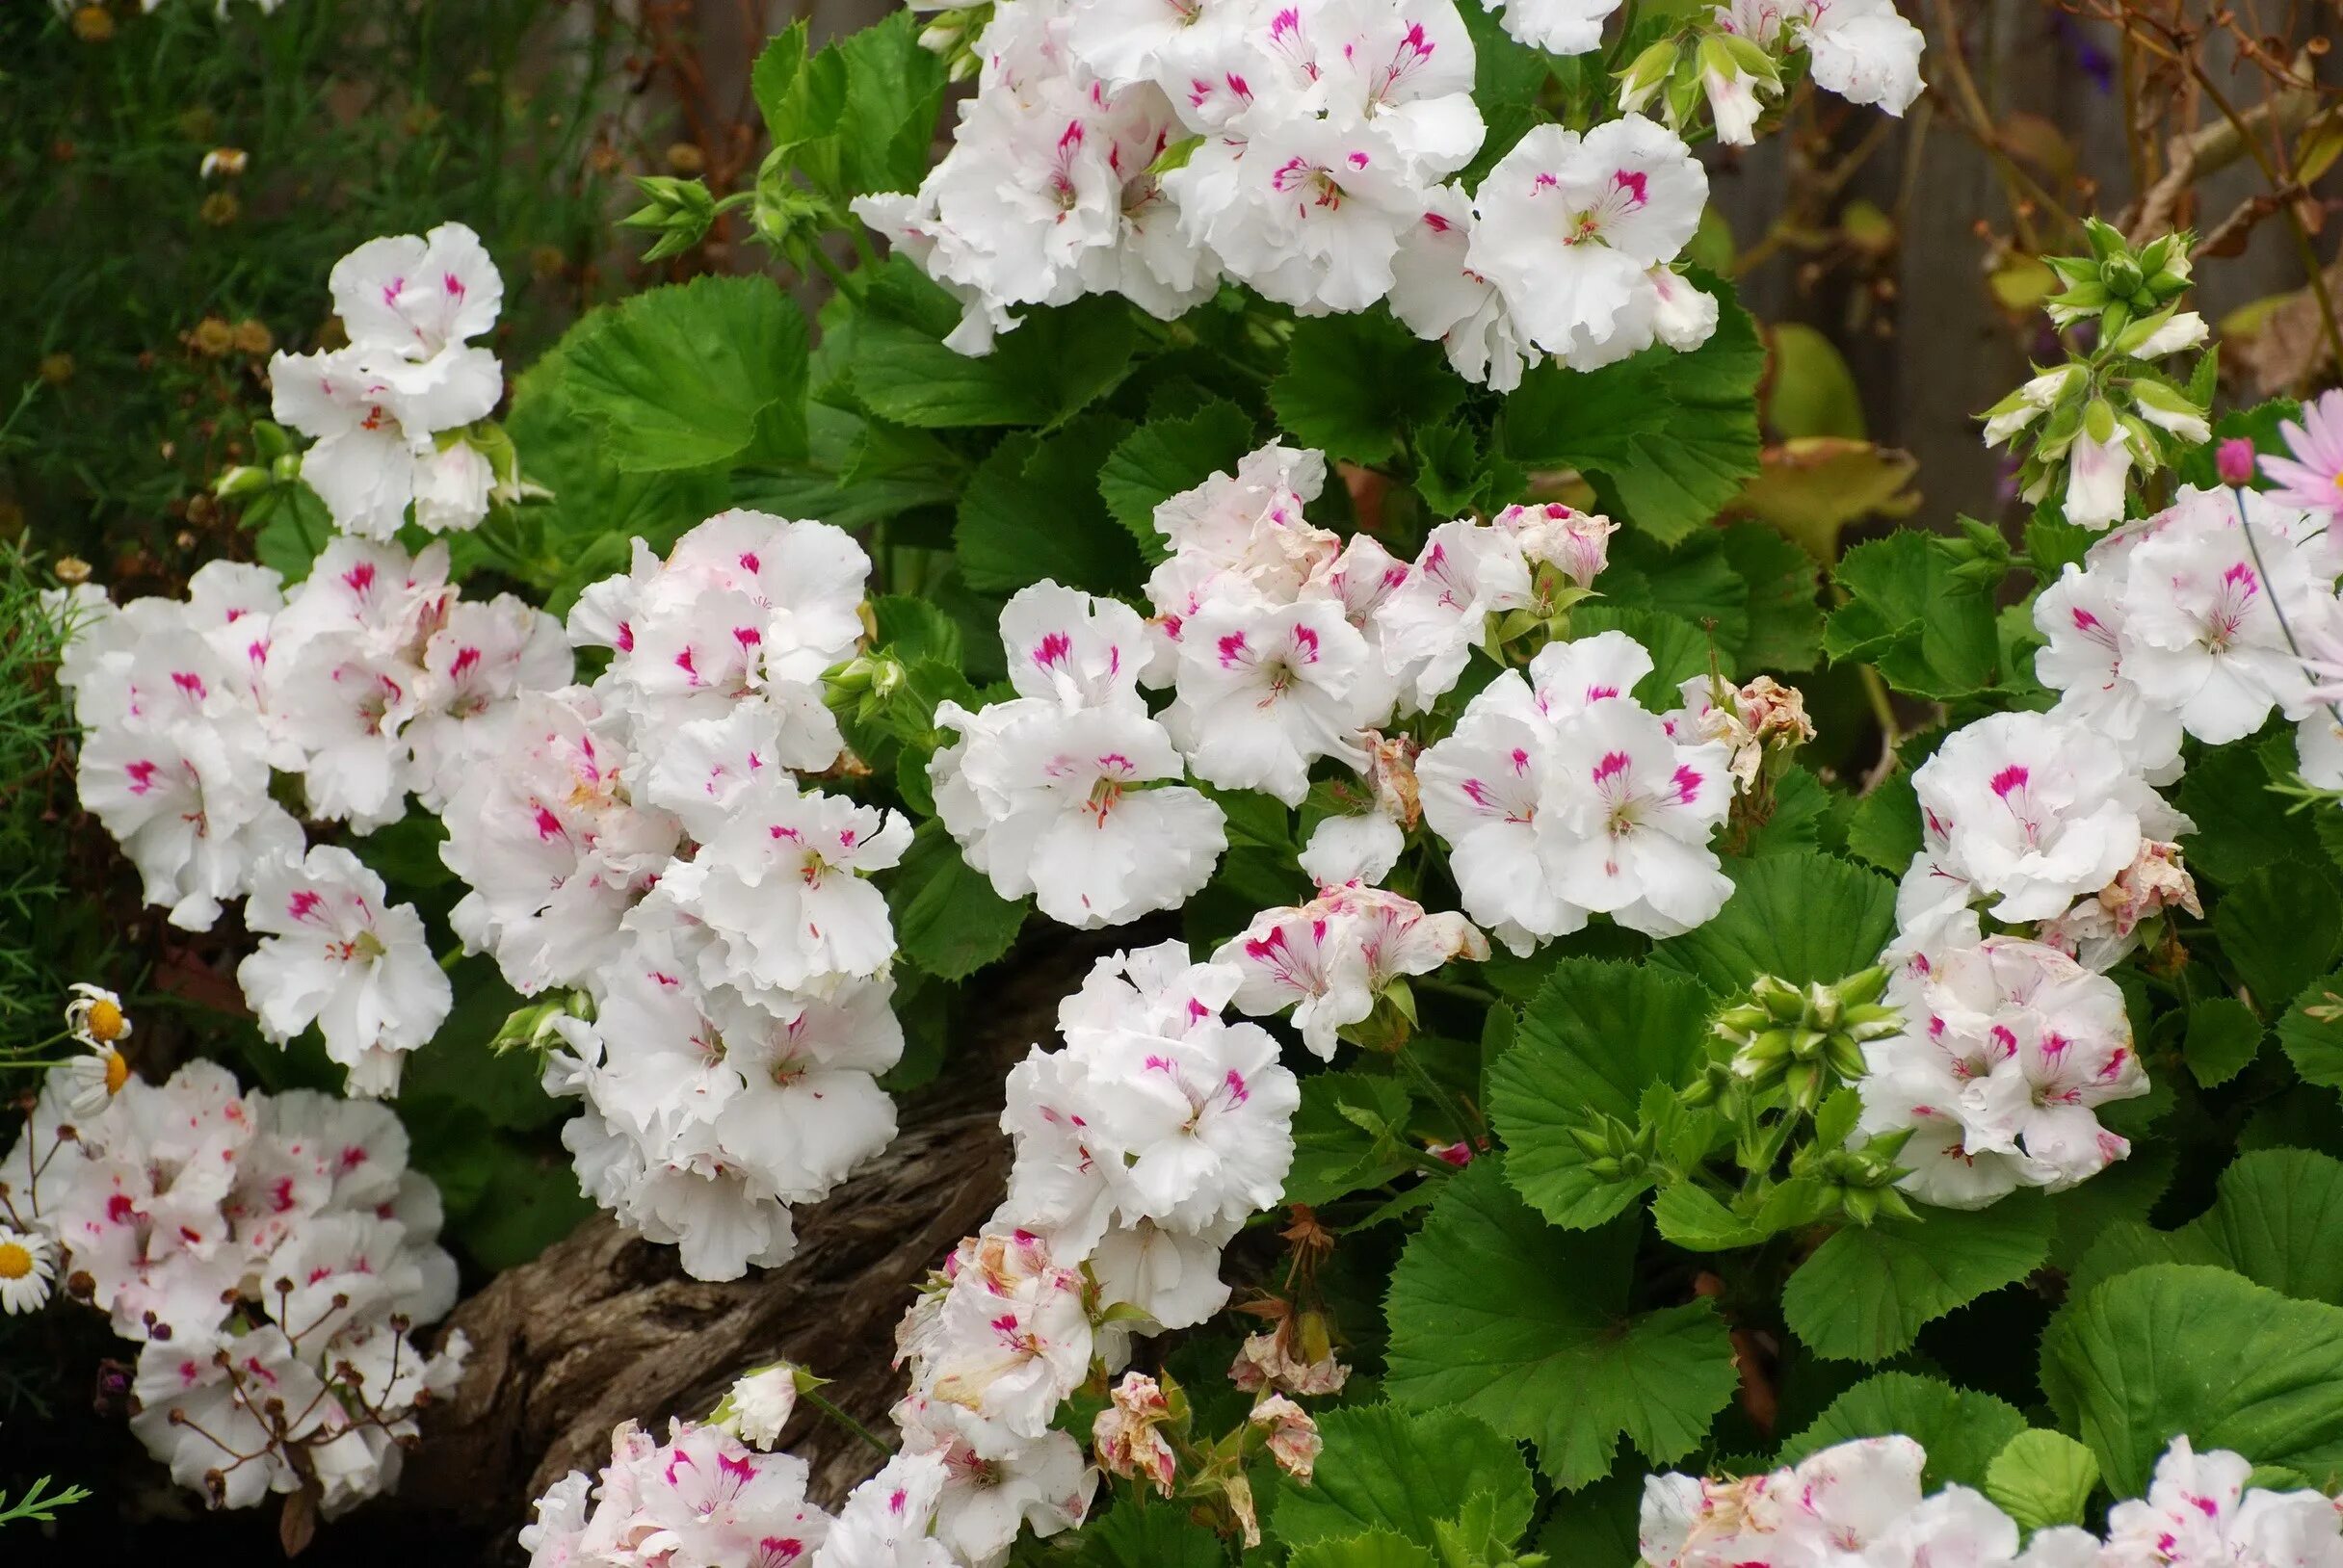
(1071, 806)
(335, 953)
(1264, 691)
(1568, 226)
(2031, 812)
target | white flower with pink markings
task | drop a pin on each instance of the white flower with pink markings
(1331, 959)
(334, 951)
(379, 407)
(1566, 226)
(2028, 812)
(1560, 795)
(1263, 691)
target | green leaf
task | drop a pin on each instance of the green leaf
(1693, 580)
(584, 532)
(2312, 1031)
(2223, 1040)
(1801, 917)
(1597, 1528)
(2276, 1218)
(1865, 1293)
(858, 116)
(1962, 1430)
(2280, 928)
(2054, 544)
(948, 919)
(1334, 1154)
(1385, 1467)
(2172, 1348)
(1929, 630)
(2241, 826)
(912, 630)
(1785, 622)
(1164, 457)
(1374, 1549)
(528, 1200)
(692, 376)
(1053, 365)
(1596, 1035)
(1673, 435)
(1455, 474)
(2124, 1192)
(1147, 1532)
(1354, 385)
(1033, 511)
(1528, 1327)
(2043, 1478)
(1693, 1219)
(1885, 829)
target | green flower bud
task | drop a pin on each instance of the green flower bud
(679, 211)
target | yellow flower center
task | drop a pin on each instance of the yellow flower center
(16, 1260)
(105, 1023)
(118, 1072)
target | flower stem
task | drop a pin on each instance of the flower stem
(830, 1409)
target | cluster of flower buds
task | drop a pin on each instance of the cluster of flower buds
(2119, 283)
(679, 211)
(2092, 420)
(1730, 71)
(1804, 1039)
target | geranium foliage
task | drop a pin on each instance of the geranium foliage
(1284, 497)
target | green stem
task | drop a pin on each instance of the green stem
(846, 283)
(848, 1422)
(1452, 1106)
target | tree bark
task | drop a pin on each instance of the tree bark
(606, 1328)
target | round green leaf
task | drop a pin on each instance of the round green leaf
(1806, 916)
(2175, 1348)
(1527, 1326)
(1865, 1293)
(2043, 1478)
(1401, 1471)
(1960, 1428)
(1596, 1035)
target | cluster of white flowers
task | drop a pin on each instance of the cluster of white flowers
(2187, 622)
(1144, 1144)
(1561, 796)
(1149, 147)
(1861, 1503)
(2012, 1042)
(269, 1254)
(645, 841)
(390, 409)
(2008, 1049)
(702, 1497)
(369, 680)
(1141, 1148)
(2183, 624)
(1284, 645)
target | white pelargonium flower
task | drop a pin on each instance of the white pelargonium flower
(1566, 228)
(334, 951)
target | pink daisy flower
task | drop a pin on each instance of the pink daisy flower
(2312, 474)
